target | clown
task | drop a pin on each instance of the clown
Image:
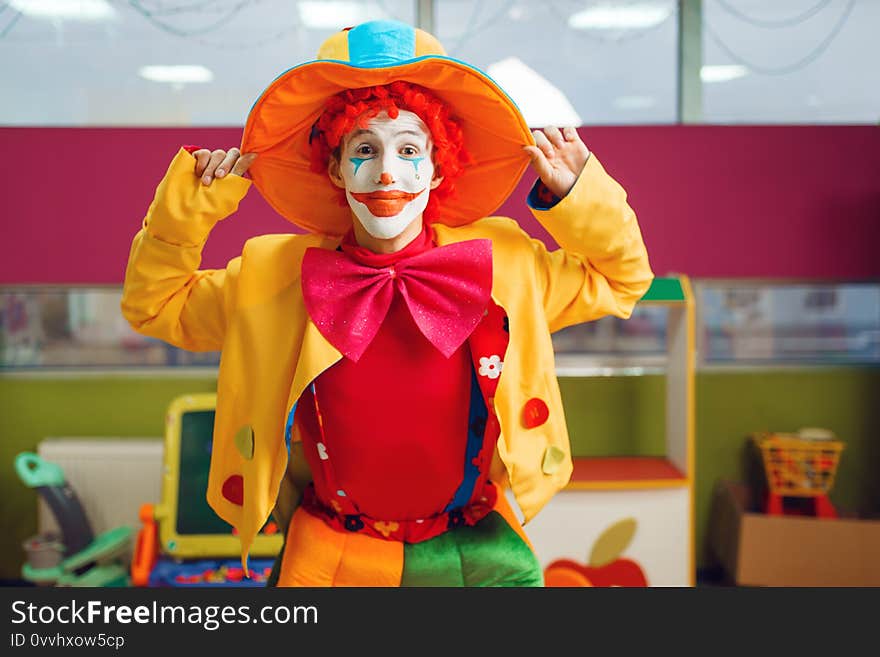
(387, 376)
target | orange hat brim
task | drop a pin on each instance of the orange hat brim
(280, 122)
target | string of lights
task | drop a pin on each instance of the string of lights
(177, 31)
(774, 24)
(562, 14)
(165, 10)
(8, 27)
(169, 17)
(197, 35)
(800, 64)
(250, 45)
(454, 47)
(473, 28)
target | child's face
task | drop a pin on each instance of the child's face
(387, 173)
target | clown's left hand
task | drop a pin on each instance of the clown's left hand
(558, 158)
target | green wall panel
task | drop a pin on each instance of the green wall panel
(730, 406)
(32, 409)
(613, 416)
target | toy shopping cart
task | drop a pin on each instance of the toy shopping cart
(800, 465)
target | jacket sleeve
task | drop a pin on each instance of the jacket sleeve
(165, 295)
(602, 267)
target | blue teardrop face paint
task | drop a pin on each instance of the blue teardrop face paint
(416, 161)
(357, 162)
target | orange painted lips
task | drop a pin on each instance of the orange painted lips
(386, 203)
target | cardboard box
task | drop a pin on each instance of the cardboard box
(760, 550)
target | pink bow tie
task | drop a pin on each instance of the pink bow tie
(446, 289)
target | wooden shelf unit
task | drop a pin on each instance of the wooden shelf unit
(605, 489)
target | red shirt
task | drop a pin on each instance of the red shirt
(395, 423)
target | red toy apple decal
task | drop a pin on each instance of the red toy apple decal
(605, 567)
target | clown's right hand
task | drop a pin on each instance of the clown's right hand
(219, 163)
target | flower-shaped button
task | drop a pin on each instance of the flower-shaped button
(534, 413)
(386, 528)
(353, 523)
(491, 366)
(456, 519)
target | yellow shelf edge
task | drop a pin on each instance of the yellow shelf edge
(628, 484)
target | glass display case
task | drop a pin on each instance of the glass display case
(48, 328)
(756, 323)
(739, 323)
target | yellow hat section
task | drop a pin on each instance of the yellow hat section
(335, 47)
(426, 44)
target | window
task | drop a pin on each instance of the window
(791, 61)
(151, 62)
(565, 62)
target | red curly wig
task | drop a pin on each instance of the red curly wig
(354, 108)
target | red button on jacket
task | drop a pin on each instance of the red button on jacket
(535, 413)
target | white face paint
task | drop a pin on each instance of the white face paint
(387, 172)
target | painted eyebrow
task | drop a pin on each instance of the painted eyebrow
(362, 131)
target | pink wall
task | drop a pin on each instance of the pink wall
(713, 201)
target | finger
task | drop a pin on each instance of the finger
(203, 156)
(216, 158)
(231, 156)
(539, 161)
(244, 163)
(534, 152)
(554, 136)
(543, 143)
(570, 134)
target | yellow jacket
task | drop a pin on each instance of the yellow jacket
(253, 312)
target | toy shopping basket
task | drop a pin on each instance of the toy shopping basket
(803, 464)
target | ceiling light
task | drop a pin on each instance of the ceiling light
(723, 73)
(75, 10)
(337, 15)
(541, 103)
(176, 74)
(620, 17)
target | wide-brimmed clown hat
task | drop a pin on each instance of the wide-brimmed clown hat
(377, 53)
